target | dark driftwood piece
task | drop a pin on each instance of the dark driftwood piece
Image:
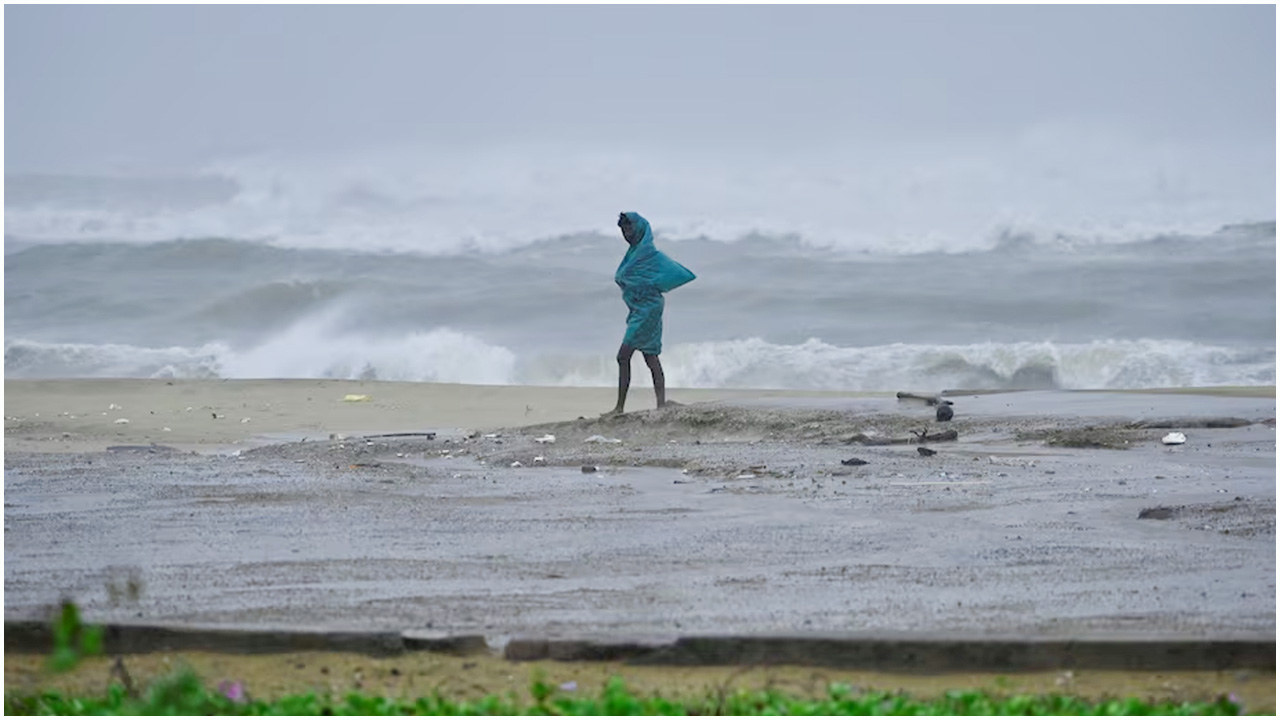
(928, 399)
(922, 436)
(427, 435)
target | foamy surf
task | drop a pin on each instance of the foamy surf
(449, 356)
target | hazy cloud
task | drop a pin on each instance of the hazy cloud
(93, 87)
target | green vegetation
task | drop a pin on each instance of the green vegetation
(72, 639)
(183, 694)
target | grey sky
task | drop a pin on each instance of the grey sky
(91, 87)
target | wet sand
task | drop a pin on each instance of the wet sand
(731, 515)
(82, 415)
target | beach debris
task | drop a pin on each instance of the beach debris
(122, 421)
(1157, 513)
(944, 413)
(919, 437)
(746, 476)
(114, 406)
(491, 436)
(244, 420)
(602, 439)
(926, 452)
(517, 464)
(588, 469)
(355, 398)
(427, 435)
(216, 416)
(337, 436)
(166, 430)
(539, 460)
(546, 439)
(854, 461)
(189, 409)
(1174, 438)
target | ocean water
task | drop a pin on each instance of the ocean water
(1033, 269)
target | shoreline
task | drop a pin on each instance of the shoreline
(81, 415)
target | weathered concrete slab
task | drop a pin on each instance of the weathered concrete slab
(885, 654)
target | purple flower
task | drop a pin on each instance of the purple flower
(569, 686)
(233, 691)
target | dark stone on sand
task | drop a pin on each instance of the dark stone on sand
(589, 468)
(944, 413)
(926, 452)
(1157, 513)
(853, 461)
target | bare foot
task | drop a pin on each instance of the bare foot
(670, 403)
(616, 412)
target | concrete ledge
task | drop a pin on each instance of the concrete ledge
(35, 636)
(942, 655)
(526, 649)
(908, 654)
(437, 642)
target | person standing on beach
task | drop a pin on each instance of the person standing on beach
(644, 275)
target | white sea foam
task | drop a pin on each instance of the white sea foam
(311, 350)
(1047, 184)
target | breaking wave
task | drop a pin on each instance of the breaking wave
(310, 350)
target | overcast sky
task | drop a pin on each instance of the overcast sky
(89, 88)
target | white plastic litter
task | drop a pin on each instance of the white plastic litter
(539, 460)
(545, 439)
(602, 439)
(122, 421)
(517, 464)
(1174, 438)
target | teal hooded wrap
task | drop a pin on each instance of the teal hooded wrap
(644, 275)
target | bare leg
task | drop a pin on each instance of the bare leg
(659, 380)
(624, 377)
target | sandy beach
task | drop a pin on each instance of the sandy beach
(1053, 514)
(85, 415)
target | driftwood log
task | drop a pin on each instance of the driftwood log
(927, 399)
